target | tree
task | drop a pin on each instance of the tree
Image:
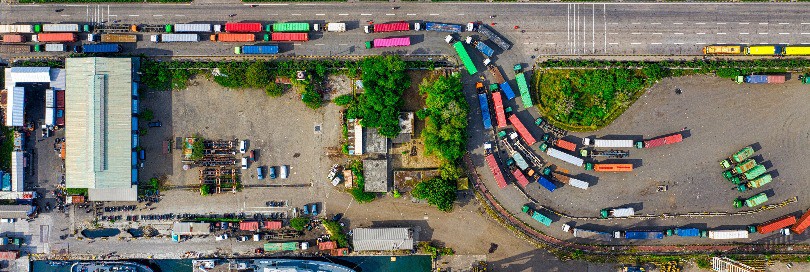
(273, 90)
(257, 75)
(438, 192)
(446, 110)
(147, 115)
(299, 223)
(384, 78)
(343, 100)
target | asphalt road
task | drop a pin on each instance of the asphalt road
(544, 28)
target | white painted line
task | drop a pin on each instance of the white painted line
(782, 33)
(460, 14)
(613, 33)
(763, 23)
(763, 43)
(72, 5)
(721, 33)
(655, 23)
(805, 33)
(744, 23)
(678, 43)
(745, 43)
(784, 23)
(365, 14)
(389, 14)
(157, 15)
(613, 43)
(783, 43)
(273, 14)
(636, 33)
(656, 43)
(296, 44)
(743, 33)
(180, 15)
(700, 23)
(614, 23)
(763, 33)
(677, 23)
(699, 43)
(636, 23)
(411, 14)
(296, 14)
(343, 14)
(805, 43)
(721, 23)
(526, 43)
(305, 4)
(434, 14)
(550, 43)
(657, 33)
(701, 33)
(134, 15)
(320, 14)
(806, 23)
(269, 4)
(635, 43)
(678, 33)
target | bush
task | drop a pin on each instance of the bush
(343, 100)
(438, 192)
(147, 115)
(336, 233)
(197, 148)
(299, 223)
(311, 98)
(6, 148)
(384, 78)
(446, 110)
(76, 191)
(358, 191)
(205, 189)
(257, 75)
(273, 90)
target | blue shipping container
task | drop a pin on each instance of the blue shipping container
(756, 79)
(134, 176)
(134, 123)
(135, 89)
(546, 184)
(507, 90)
(260, 49)
(485, 116)
(134, 140)
(135, 106)
(6, 181)
(486, 50)
(690, 232)
(134, 158)
(101, 48)
(643, 235)
(430, 26)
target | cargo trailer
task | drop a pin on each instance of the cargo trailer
(728, 234)
(755, 172)
(389, 42)
(761, 50)
(802, 224)
(639, 235)
(776, 224)
(485, 116)
(740, 168)
(54, 37)
(202, 28)
(55, 47)
(756, 183)
(543, 181)
(500, 116)
(661, 141)
(256, 49)
(180, 37)
(119, 38)
(761, 79)
(602, 143)
(336, 27)
(722, 50)
(291, 27)
(440, 27)
(564, 156)
(520, 178)
(537, 216)
(524, 133)
(751, 202)
(523, 87)
(494, 37)
(289, 37)
(484, 48)
(16, 29)
(566, 145)
(521, 163)
(796, 50)
(387, 27)
(13, 38)
(98, 48)
(592, 234)
(465, 57)
(231, 37)
(619, 212)
(496, 171)
(243, 27)
(609, 167)
(739, 156)
(496, 73)
(60, 28)
(687, 232)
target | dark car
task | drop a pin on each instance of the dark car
(155, 124)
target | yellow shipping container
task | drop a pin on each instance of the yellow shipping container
(761, 50)
(722, 49)
(793, 50)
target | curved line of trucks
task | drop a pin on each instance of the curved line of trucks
(757, 50)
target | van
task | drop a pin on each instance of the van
(304, 245)
(257, 237)
(284, 171)
(243, 146)
(367, 29)
(7, 220)
(244, 163)
(272, 172)
(260, 172)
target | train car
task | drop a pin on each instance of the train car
(722, 50)
(761, 50)
(794, 50)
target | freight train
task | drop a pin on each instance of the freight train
(758, 50)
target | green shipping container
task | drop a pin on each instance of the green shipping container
(755, 172)
(756, 200)
(760, 181)
(465, 58)
(525, 96)
(541, 218)
(745, 166)
(287, 246)
(291, 27)
(743, 154)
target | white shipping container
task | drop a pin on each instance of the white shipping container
(50, 116)
(16, 29)
(623, 212)
(192, 28)
(54, 47)
(728, 234)
(60, 28)
(588, 234)
(179, 38)
(578, 183)
(50, 98)
(564, 156)
(336, 27)
(613, 143)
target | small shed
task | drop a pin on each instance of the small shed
(328, 245)
(191, 228)
(376, 176)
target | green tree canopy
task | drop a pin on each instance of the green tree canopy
(445, 132)
(384, 78)
(257, 75)
(438, 192)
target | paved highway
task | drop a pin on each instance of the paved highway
(544, 28)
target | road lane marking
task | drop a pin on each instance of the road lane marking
(763, 33)
(783, 43)
(743, 33)
(658, 33)
(434, 14)
(614, 23)
(721, 33)
(677, 23)
(700, 23)
(157, 15)
(656, 43)
(635, 43)
(721, 23)
(134, 15)
(701, 33)
(699, 43)
(678, 33)
(806, 23)
(296, 14)
(763, 23)
(613, 43)
(550, 43)
(344, 14)
(744, 23)
(655, 23)
(636, 33)
(782, 33)
(389, 14)
(460, 14)
(320, 14)
(296, 44)
(805, 43)
(411, 14)
(613, 33)
(745, 43)
(319, 44)
(805, 33)
(365, 14)
(784, 23)
(180, 15)
(636, 23)
(678, 43)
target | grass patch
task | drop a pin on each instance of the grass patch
(76, 191)
(6, 147)
(299, 223)
(358, 191)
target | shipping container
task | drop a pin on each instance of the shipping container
(619, 212)
(496, 171)
(179, 28)
(671, 139)
(119, 38)
(54, 37)
(389, 42)
(60, 99)
(465, 57)
(507, 90)
(99, 48)
(776, 224)
(257, 49)
(439, 27)
(14, 48)
(13, 38)
(16, 29)
(802, 224)
(291, 27)
(186, 37)
(524, 133)
(728, 234)
(494, 37)
(578, 183)
(525, 95)
(763, 79)
(744, 153)
(390, 27)
(543, 181)
(642, 235)
(566, 145)
(496, 73)
(484, 48)
(288, 37)
(243, 27)
(592, 234)
(796, 50)
(231, 37)
(687, 232)
(755, 172)
(287, 246)
(612, 167)
(760, 181)
(500, 116)
(485, 116)
(60, 28)
(60, 120)
(54, 47)
(50, 98)
(740, 168)
(521, 179)
(336, 27)
(521, 163)
(539, 217)
(50, 116)
(559, 177)
(756, 200)
(722, 50)
(612, 143)
(761, 50)
(553, 152)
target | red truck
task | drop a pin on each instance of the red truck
(13, 38)
(566, 145)
(522, 130)
(55, 37)
(233, 37)
(289, 37)
(671, 139)
(802, 224)
(521, 179)
(388, 27)
(776, 224)
(243, 27)
(496, 171)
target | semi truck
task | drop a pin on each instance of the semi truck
(243, 27)
(567, 180)
(524, 133)
(722, 50)
(520, 178)
(687, 232)
(54, 37)
(761, 50)
(289, 37)
(613, 153)
(543, 181)
(539, 217)
(661, 141)
(523, 87)
(802, 224)
(387, 27)
(440, 27)
(609, 167)
(751, 202)
(465, 57)
(388, 42)
(558, 132)
(776, 224)
(179, 37)
(500, 115)
(13, 38)
(60, 28)
(233, 37)
(751, 174)
(185, 28)
(602, 143)
(756, 183)
(494, 37)
(639, 235)
(485, 116)
(587, 234)
(98, 48)
(739, 156)
(618, 212)
(496, 170)
(119, 38)
(256, 49)
(728, 234)
(739, 169)
(16, 29)
(556, 153)
(335, 27)
(291, 27)
(761, 79)
(505, 88)
(14, 48)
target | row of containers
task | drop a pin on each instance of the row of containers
(786, 224)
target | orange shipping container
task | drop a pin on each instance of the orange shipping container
(15, 38)
(615, 167)
(567, 145)
(776, 224)
(803, 223)
(233, 37)
(56, 37)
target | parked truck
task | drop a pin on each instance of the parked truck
(54, 37)
(16, 29)
(335, 27)
(186, 28)
(291, 27)
(602, 143)
(13, 38)
(739, 169)
(98, 48)
(639, 235)
(521, 129)
(440, 27)
(484, 49)
(618, 212)
(179, 37)
(722, 50)
(761, 79)
(233, 37)
(496, 170)
(751, 174)
(739, 156)
(687, 232)
(60, 28)
(500, 114)
(387, 27)
(523, 87)
(520, 178)
(55, 47)
(556, 153)
(14, 48)
(485, 115)
(388, 42)
(802, 224)
(760, 50)
(243, 27)
(671, 139)
(566, 145)
(537, 216)
(504, 85)
(756, 183)
(567, 180)
(465, 57)
(613, 153)
(751, 202)
(289, 37)
(609, 167)
(256, 49)
(119, 38)
(587, 234)
(728, 234)
(543, 181)
(776, 224)
(494, 37)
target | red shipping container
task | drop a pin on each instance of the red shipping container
(521, 179)
(15, 38)
(251, 226)
(776, 79)
(802, 224)
(776, 224)
(233, 37)
(496, 171)
(501, 116)
(289, 37)
(9, 255)
(522, 130)
(392, 42)
(567, 145)
(671, 139)
(243, 27)
(60, 99)
(56, 37)
(615, 167)
(392, 27)
(272, 225)
(328, 245)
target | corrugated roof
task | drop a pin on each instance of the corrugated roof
(15, 211)
(58, 78)
(272, 225)
(17, 171)
(327, 245)
(31, 74)
(15, 107)
(98, 128)
(191, 228)
(382, 239)
(253, 225)
(9, 255)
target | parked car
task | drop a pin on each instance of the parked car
(260, 172)
(306, 210)
(243, 146)
(155, 124)
(284, 171)
(304, 245)
(272, 172)
(314, 209)
(244, 163)
(243, 238)
(222, 237)
(8, 220)
(253, 155)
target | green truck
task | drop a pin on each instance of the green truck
(290, 27)
(525, 95)
(465, 58)
(750, 174)
(756, 183)
(751, 202)
(537, 216)
(805, 79)
(286, 246)
(739, 169)
(741, 155)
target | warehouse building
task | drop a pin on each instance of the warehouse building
(191, 228)
(382, 239)
(100, 128)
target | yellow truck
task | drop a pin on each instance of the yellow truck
(794, 50)
(761, 50)
(722, 50)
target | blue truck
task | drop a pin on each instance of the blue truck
(494, 37)
(546, 184)
(639, 235)
(507, 90)
(485, 116)
(439, 27)
(98, 48)
(687, 232)
(484, 48)
(256, 49)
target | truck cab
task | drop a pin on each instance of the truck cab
(154, 38)
(92, 37)
(417, 26)
(448, 39)
(368, 29)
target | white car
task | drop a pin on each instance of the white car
(285, 171)
(8, 220)
(244, 163)
(304, 245)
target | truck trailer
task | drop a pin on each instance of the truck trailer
(289, 37)
(494, 37)
(335, 27)
(14, 48)
(553, 152)
(485, 116)
(603, 143)
(756, 183)
(671, 139)
(232, 37)
(802, 224)
(618, 212)
(243, 27)
(543, 181)
(722, 50)
(537, 216)
(98, 48)
(520, 178)
(496, 170)
(465, 58)
(728, 234)
(507, 90)
(609, 167)
(291, 27)
(13, 38)
(567, 180)
(524, 133)
(119, 38)
(440, 27)
(761, 50)
(256, 49)
(761, 79)
(484, 49)
(796, 50)
(16, 29)
(776, 224)
(60, 28)
(751, 202)
(180, 37)
(739, 169)
(639, 235)
(54, 37)
(500, 115)
(388, 42)
(739, 156)
(387, 27)
(587, 234)
(186, 28)
(687, 232)
(54, 47)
